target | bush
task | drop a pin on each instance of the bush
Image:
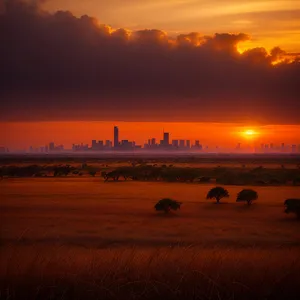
(217, 193)
(92, 173)
(247, 195)
(292, 206)
(167, 205)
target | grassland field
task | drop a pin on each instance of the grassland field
(82, 238)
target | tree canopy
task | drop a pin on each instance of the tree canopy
(217, 193)
(167, 205)
(247, 195)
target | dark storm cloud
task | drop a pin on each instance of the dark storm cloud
(58, 66)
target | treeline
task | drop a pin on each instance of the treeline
(222, 175)
(168, 173)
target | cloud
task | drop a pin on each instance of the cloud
(58, 66)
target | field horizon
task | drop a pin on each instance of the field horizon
(78, 236)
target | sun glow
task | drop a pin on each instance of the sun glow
(249, 133)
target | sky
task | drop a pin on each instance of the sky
(204, 69)
(269, 22)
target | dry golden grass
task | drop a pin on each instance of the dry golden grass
(63, 272)
(81, 238)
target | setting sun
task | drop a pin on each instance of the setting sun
(249, 133)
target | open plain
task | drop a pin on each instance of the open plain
(82, 237)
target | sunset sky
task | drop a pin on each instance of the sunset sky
(205, 69)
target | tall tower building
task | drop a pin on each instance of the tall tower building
(166, 138)
(116, 137)
(51, 146)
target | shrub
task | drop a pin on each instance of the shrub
(217, 193)
(167, 205)
(247, 195)
(293, 206)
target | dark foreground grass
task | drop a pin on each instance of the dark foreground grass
(64, 272)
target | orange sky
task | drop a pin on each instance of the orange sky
(269, 22)
(22, 135)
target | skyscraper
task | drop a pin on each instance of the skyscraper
(116, 137)
(166, 138)
(51, 146)
(181, 143)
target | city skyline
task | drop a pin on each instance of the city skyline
(119, 142)
(23, 135)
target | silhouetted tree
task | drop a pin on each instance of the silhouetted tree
(61, 171)
(292, 206)
(92, 173)
(247, 195)
(217, 193)
(167, 205)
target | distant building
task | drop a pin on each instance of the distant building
(166, 140)
(94, 145)
(116, 137)
(59, 148)
(108, 144)
(181, 143)
(80, 147)
(175, 143)
(51, 146)
(188, 144)
(197, 145)
(126, 145)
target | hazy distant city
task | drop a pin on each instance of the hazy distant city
(155, 145)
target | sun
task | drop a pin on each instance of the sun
(249, 133)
